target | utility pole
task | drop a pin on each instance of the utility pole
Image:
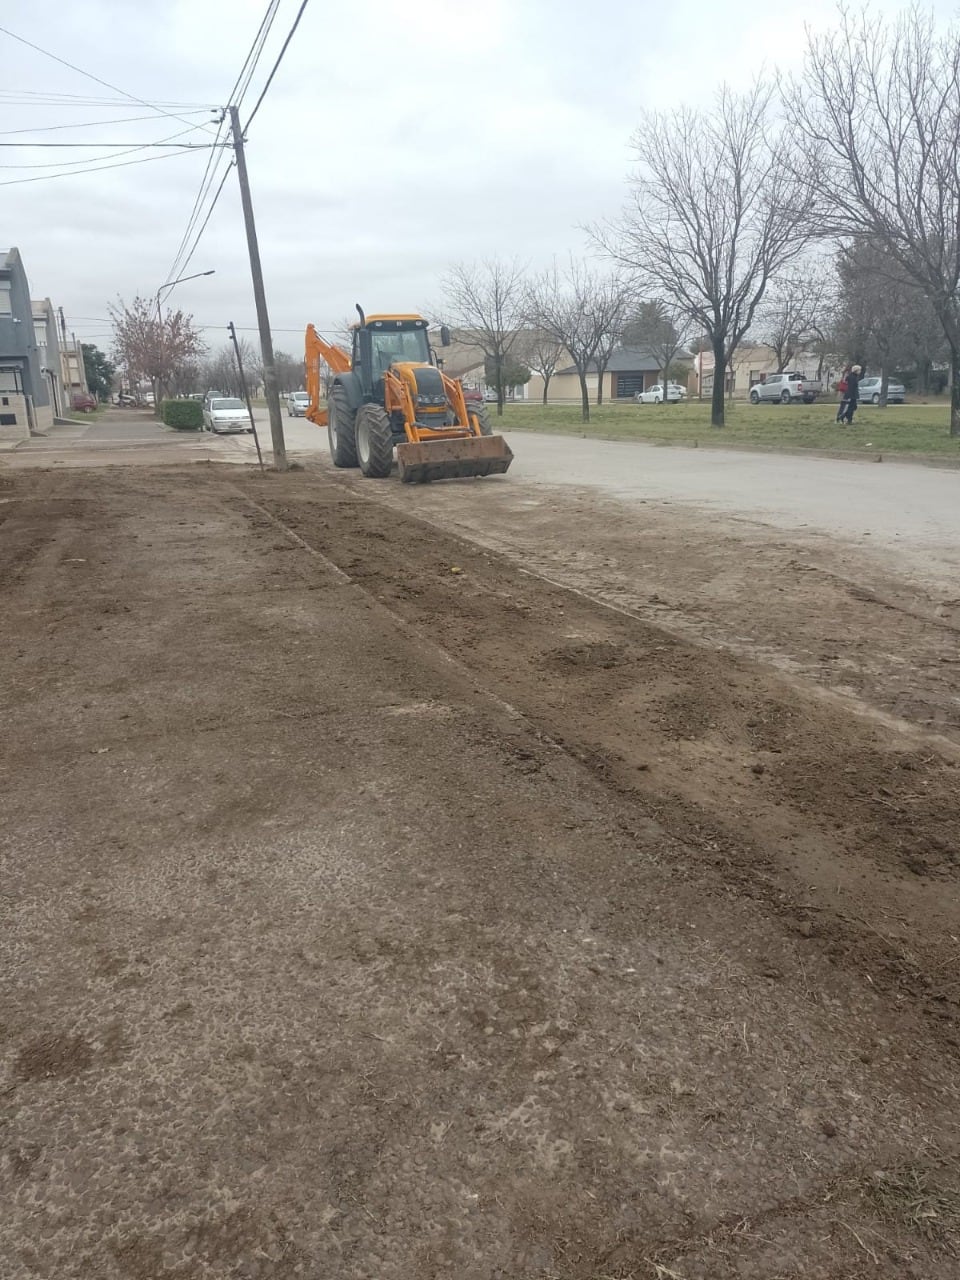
(271, 387)
(231, 329)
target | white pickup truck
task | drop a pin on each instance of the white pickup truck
(785, 388)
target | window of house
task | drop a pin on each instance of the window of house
(10, 380)
(6, 304)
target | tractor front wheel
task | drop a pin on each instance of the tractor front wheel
(483, 419)
(374, 442)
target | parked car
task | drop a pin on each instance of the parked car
(654, 394)
(298, 402)
(474, 394)
(225, 413)
(784, 388)
(870, 391)
(83, 402)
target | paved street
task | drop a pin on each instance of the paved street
(907, 509)
(119, 437)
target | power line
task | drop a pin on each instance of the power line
(206, 182)
(89, 76)
(249, 66)
(85, 124)
(263, 92)
(213, 204)
(141, 146)
(47, 177)
(46, 98)
(254, 53)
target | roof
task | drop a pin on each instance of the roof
(629, 360)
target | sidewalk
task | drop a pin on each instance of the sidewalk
(118, 439)
(321, 961)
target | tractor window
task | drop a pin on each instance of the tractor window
(391, 345)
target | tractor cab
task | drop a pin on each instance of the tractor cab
(382, 341)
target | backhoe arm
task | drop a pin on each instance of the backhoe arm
(338, 360)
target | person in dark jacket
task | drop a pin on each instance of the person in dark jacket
(852, 396)
(842, 388)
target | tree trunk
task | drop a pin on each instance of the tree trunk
(546, 386)
(954, 390)
(719, 378)
(663, 384)
(884, 385)
(600, 373)
(584, 398)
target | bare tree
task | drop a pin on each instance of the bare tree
(730, 218)
(884, 318)
(541, 353)
(663, 328)
(487, 301)
(795, 313)
(578, 308)
(611, 305)
(220, 370)
(148, 346)
(878, 109)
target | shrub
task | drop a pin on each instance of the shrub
(183, 415)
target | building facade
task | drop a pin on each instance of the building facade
(25, 393)
(46, 334)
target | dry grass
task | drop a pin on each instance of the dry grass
(924, 1198)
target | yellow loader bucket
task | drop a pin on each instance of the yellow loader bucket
(448, 459)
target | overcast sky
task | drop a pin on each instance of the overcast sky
(396, 139)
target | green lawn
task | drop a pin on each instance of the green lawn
(907, 428)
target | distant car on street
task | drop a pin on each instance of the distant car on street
(870, 391)
(298, 402)
(784, 388)
(225, 413)
(654, 394)
(83, 402)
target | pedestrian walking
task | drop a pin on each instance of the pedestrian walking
(852, 396)
(842, 388)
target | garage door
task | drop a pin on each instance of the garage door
(628, 384)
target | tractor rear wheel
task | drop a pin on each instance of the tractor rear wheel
(374, 442)
(483, 418)
(341, 429)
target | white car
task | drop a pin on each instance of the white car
(298, 402)
(226, 413)
(654, 395)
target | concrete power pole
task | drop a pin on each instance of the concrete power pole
(271, 387)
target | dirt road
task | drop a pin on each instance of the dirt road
(373, 907)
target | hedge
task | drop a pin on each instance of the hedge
(184, 415)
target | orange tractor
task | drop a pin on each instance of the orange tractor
(390, 393)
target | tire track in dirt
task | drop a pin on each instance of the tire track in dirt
(842, 823)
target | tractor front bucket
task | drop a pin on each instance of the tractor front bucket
(449, 459)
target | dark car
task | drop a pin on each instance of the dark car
(83, 402)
